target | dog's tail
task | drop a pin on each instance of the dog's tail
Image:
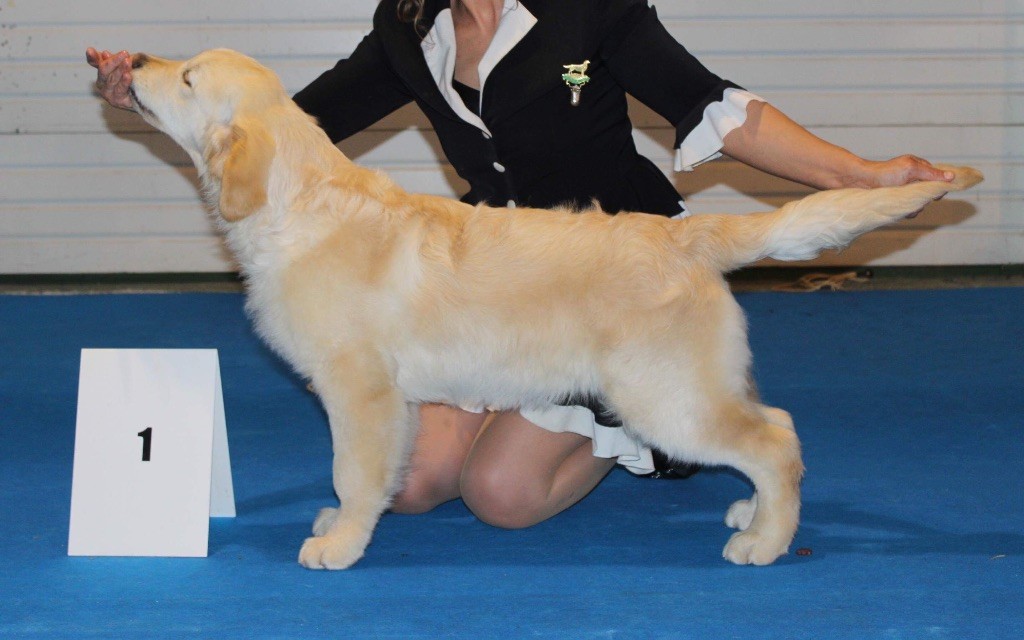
(830, 219)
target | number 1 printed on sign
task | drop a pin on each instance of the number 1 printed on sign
(147, 442)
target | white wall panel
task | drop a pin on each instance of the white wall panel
(88, 188)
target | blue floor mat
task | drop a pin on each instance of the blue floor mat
(909, 405)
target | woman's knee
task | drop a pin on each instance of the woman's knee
(502, 498)
(519, 474)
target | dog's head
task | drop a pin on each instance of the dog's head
(215, 105)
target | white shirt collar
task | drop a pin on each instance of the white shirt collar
(439, 51)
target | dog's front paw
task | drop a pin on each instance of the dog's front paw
(752, 547)
(328, 552)
(741, 513)
(324, 520)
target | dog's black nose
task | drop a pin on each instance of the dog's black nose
(139, 59)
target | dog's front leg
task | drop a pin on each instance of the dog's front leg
(371, 427)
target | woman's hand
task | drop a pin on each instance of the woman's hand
(113, 76)
(898, 171)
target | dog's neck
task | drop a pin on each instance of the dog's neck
(312, 189)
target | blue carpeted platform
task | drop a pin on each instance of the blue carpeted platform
(910, 406)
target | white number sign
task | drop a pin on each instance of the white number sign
(151, 453)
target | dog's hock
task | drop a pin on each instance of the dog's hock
(241, 159)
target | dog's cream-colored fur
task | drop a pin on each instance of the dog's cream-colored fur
(386, 299)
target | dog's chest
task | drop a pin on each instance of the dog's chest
(264, 260)
(270, 321)
(477, 374)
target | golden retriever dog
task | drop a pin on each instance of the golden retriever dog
(386, 299)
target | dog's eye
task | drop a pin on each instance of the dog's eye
(184, 78)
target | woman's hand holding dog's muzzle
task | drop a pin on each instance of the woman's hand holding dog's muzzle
(113, 76)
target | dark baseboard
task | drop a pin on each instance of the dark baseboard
(749, 279)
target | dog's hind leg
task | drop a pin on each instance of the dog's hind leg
(740, 434)
(372, 429)
(689, 394)
(741, 513)
(768, 454)
(764, 447)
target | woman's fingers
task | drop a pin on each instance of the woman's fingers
(92, 56)
(113, 75)
(918, 169)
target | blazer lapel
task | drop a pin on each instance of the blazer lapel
(439, 48)
(516, 23)
(408, 59)
(535, 65)
(544, 37)
(439, 52)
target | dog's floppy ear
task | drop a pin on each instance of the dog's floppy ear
(240, 156)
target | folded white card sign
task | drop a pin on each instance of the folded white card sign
(151, 453)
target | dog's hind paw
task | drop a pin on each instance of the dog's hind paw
(741, 513)
(751, 547)
(324, 520)
(323, 552)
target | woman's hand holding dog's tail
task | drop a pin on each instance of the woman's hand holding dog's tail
(113, 75)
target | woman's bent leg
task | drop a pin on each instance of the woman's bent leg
(518, 474)
(445, 437)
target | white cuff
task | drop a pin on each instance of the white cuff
(706, 140)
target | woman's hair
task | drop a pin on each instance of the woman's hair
(411, 11)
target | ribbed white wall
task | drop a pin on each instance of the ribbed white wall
(87, 188)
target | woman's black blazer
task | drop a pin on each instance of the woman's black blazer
(541, 151)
